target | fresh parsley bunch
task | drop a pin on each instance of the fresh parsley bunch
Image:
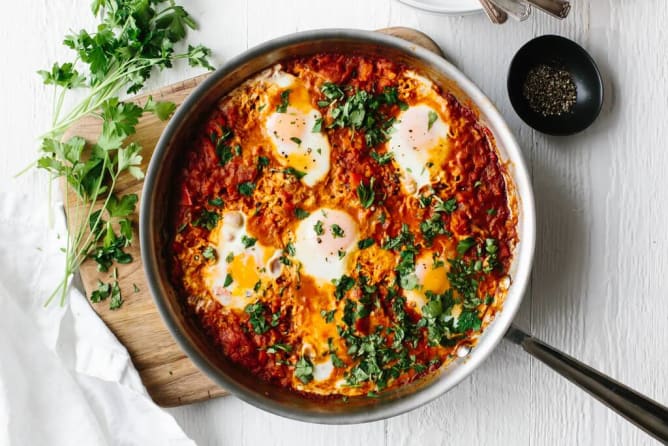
(133, 39)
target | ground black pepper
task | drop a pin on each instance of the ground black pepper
(550, 91)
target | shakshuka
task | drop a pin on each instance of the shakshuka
(342, 226)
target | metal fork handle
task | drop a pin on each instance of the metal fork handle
(640, 410)
(495, 14)
(556, 8)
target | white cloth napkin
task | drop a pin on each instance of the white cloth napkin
(64, 377)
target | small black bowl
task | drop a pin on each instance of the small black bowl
(568, 55)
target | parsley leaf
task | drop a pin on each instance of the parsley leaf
(317, 126)
(448, 206)
(365, 243)
(343, 285)
(248, 241)
(121, 207)
(207, 219)
(294, 172)
(228, 280)
(246, 188)
(209, 253)
(301, 213)
(304, 370)
(116, 297)
(328, 316)
(433, 116)
(283, 106)
(382, 159)
(256, 317)
(319, 230)
(337, 231)
(218, 202)
(366, 194)
(468, 320)
(465, 244)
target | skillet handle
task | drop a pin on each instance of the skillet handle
(640, 410)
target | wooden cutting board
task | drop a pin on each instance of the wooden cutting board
(169, 376)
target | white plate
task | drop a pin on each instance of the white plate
(454, 7)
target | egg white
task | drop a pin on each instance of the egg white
(326, 257)
(245, 265)
(291, 134)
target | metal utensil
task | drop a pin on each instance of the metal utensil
(516, 9)
(640, 410)
(556, 8)
(494, 14)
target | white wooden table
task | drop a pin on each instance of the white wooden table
(600, 276)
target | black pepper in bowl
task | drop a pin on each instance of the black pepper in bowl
(549, 90)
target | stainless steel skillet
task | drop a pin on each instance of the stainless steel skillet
(154, 236)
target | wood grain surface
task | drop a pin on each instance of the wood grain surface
(168, 374)
(601, 270)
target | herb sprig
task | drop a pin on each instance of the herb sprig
(132, 39)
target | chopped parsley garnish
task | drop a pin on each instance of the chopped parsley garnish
(296, 140)
(343, 285)
(465, 244)
(287, 348)
(382, 159)
(262, 162)
(207, 219)
(431, 119)
(468, 320)
(226, 152)
(275, 319)
(116, 297)
(285, 98)
(101, 293)
(491, 249)
(328, 316)
(319, 230)
(294, 172)
(248, 241)
(337, 231)
(301, 213)
(491, 211)
(246, 188)
(336, 361)
(317, 126)
(341, 253)
(304, 370)
(228, 280)
(218, 202)
(332, 92)
(209, 253)
(257, 319)
(290, 249)
(432, 227)
(361, 111)
(448, 206)
(229, 257)
(366, 194)
(462, 277)
(365, 243)
(425, 200)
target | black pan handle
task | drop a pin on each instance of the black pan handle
(640, 410)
